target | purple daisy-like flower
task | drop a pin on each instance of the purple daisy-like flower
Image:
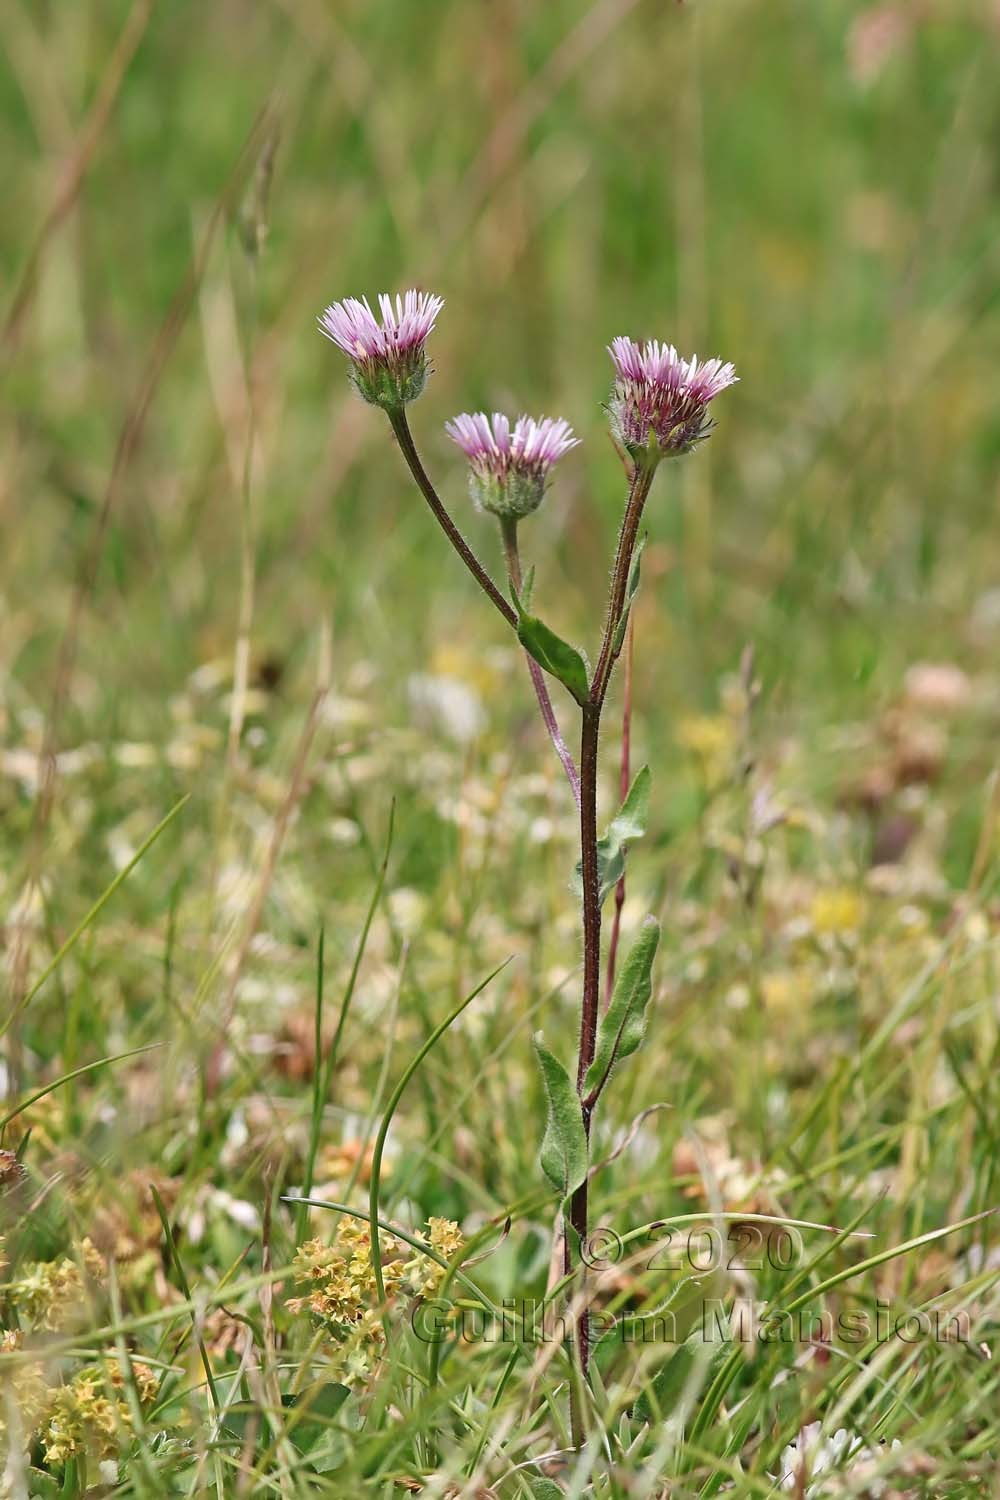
(659, 405)
(389, 362)
(509, 468)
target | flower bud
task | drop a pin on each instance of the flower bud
(389, 365)
(659, 405)
(509, 470)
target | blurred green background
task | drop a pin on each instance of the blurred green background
(188, 489)
(807, 190)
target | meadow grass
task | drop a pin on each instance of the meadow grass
(228, 622)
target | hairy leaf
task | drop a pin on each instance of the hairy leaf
(554, 654)
(528, 588)
(624, 1022)
(563, 1156)
(545, 1489)
(628, 824)
(688, 1367)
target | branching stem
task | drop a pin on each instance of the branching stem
(642, 478)
(583, 781)
(508, 530)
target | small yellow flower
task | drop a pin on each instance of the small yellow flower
(94, 1263)
(25, 1388)
(49, 1294)
(83, 1418)
(836, 911)
(786, 992)
(52, 1294)
(709, 738)
(423, 1275)
(342, 1296)
(452, 660)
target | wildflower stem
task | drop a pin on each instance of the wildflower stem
(401, 430)
(642, 478)
(623, 786)
(589, 744)
(508, 530)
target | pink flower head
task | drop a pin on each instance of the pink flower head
(508, 470)
(659, 405)
(389, 362)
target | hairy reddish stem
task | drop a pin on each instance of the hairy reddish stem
(623, 786)
(642, 478)
(582, 781)
(508, 530)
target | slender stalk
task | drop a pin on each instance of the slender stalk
(508, 530)
(642, 478)
(589, 744)
(583, 783)
(401, 429)
(623, 786)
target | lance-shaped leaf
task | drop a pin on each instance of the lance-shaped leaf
(564, 1156)
(628, 824)
(554, 654)
(550, 651)
(623, 1024)
(630, 593)
(685, 1373)
(544, 1489)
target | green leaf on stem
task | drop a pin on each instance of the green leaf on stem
(555, 655)
(630, 593)
(545, 1489)
(564, 1157)
(684, 1373)
(551, 652)
(629, 823)
(623, 1024)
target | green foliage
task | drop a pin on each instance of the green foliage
(834, 1038)
(685, 1373)
(560, 659)
(563, 1155)
(623, 1025)
(544, 1489)
(628, 824)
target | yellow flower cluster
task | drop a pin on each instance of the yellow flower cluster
(836, 912)
(422, 1275)
(340, 1275)
(85, 1417)
(82, 1420)
(710, 739)
(342, 1295)
(23, 1388)
(51, 1294)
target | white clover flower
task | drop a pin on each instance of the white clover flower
(817, 1454)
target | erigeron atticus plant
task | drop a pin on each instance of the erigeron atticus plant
(658, 408)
